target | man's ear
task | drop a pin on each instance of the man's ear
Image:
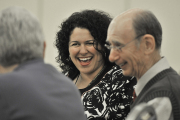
(44, 48)
(149, 42)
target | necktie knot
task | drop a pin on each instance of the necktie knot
(134, 96)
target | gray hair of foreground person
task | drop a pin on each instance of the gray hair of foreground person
(21, 36)
(145, 22)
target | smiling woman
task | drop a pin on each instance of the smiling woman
(84, 56)
(105, 93)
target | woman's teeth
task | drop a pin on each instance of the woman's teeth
(84, 59)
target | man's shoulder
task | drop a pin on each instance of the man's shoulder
(169, 77)
(36, 74)
(161, 86)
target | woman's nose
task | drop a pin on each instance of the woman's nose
(83, 49)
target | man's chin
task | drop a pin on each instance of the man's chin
(126, 73)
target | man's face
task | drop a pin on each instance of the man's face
(130, 56)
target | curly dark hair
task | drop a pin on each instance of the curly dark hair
(96, 21)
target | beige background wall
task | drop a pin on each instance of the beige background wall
(52, 12)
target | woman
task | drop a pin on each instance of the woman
(106, 94)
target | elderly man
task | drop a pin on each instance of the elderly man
(29, 88)
(134, 38)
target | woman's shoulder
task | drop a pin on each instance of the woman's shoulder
(114, 69)
(115, 74)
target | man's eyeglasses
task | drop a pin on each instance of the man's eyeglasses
(108, 46)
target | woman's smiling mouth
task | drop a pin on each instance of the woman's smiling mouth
(85, 61)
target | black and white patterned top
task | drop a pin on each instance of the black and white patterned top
(109, 96)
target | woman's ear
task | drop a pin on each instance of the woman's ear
(149, 43)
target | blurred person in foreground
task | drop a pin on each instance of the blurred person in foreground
(29, 88)
(134, 38)
(105, 93)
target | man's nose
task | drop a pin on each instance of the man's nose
(113, 56)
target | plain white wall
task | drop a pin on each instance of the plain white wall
(52, 12)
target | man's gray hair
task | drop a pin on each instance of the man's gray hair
(21, 36)
(145, 22)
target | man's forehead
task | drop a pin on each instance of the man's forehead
(122, 31)
(120, 27)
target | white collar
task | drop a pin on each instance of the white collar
(161, 65)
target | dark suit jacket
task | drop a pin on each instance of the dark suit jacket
(37, 91)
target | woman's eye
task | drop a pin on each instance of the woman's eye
(74, 44)
(90, 43)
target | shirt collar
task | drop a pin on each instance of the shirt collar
(29, 62)
(161, 65)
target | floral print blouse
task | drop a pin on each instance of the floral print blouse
(109, 96)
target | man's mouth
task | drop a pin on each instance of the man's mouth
(121, 65)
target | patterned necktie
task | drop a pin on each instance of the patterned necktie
(134, 96)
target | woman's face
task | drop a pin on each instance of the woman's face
(82, 52)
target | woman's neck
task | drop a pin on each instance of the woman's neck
(83, 80)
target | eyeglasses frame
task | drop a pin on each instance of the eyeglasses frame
(120, 47)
